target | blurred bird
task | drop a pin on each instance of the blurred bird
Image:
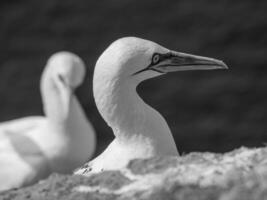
(33, 147)
(140, 131)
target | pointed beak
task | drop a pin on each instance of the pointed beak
(65, 91)
(176, 61)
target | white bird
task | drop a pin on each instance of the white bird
(33, 147)
(140, 131)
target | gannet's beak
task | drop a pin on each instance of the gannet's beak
(176, 61)
(66, 96)
(66, 92)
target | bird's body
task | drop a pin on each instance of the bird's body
(140, 131)
(21, 159)
(33, 147)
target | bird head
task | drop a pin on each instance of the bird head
(135, 59)
(67, 69)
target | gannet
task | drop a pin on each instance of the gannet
(33, 147)
(140, 131)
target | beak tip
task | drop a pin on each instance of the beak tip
(223, 65)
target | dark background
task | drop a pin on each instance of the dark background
(206, 110)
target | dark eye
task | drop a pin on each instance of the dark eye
(61, 78)
(155, 59)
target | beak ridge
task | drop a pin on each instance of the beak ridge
(182, 62)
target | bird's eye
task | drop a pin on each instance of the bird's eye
(155, 59)
(61, 78)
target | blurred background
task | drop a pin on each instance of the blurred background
(206, 110)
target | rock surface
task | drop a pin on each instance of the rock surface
(240, 174)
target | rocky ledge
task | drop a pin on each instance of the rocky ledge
(240, 174)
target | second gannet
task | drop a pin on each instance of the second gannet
(140, 131)
(31, 148)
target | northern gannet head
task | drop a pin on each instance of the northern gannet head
(135, 59)
(66, 69)
(127, 62)
(138, 128)
(63, 73)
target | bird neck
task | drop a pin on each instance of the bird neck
(131, 119)
(121, 108)
(56, 100)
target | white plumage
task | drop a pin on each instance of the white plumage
(33, 147)
(140, 131)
